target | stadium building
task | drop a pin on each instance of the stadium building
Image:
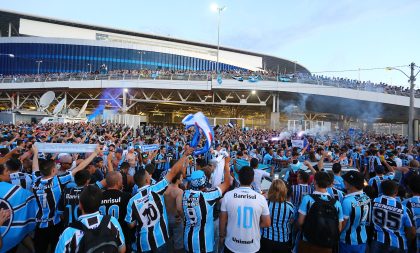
(65, 46)
(32, 44)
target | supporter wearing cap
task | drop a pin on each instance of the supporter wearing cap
(375, 182)
(95, 171)
(356, 210)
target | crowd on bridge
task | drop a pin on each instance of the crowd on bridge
(255, 190)
(209, 75)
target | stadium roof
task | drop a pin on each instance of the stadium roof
(271, 62)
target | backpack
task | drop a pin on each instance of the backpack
(321, 223)
(97, 240)
(293, 176)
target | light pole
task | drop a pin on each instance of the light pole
(141, 58)
(218, 9)
(411, 80)
(39, 64)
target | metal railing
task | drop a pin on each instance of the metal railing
(198, 77)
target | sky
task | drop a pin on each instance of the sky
(322, 35)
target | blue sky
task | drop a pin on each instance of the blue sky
(323, 35)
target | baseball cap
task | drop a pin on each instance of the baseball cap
(197, 180)
(355, 179)
(119, 150)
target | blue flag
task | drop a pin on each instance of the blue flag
(23, 207)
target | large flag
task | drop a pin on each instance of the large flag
(23, 208)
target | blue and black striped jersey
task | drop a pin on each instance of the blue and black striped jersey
(147, 209)
(22, 205)
(413, 209)
(298, 192)
(48, 193)
(390, 218)
(356, 208)
(198, 219)
(282, 214)
(21, 179)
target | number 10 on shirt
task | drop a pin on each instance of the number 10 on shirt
(244, 217)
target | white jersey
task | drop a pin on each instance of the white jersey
(258, 176)
(244, 207)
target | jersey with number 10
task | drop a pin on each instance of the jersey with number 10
(198, 218)
(69, 205)
(147, 209)
(244, 208)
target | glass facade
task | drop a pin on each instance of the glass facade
(80, 58)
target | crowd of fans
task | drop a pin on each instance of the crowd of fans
(203, 75)
(251, 192)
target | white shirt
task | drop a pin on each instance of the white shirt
(258, 176)
(244, 207)
(398, 161)
(217, 176)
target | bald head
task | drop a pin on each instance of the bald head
(66, 159)
(113, 179)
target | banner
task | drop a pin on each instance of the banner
(297, 143)
(65, 148)
(148, 148)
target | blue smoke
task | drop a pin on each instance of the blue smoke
(107, 95)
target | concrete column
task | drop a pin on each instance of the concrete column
(278, 103)
(10, 29)
(274, 102)
(274, 120)
(17, 101)
(416, 129)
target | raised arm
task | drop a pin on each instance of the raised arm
(9, 155)
(226, 183)
(109, 161)
(179, 165)
(86, 162)
(35, 163)
(310, 167)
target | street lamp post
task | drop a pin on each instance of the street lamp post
(411, 80)
(215, 7)
(39, 64)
